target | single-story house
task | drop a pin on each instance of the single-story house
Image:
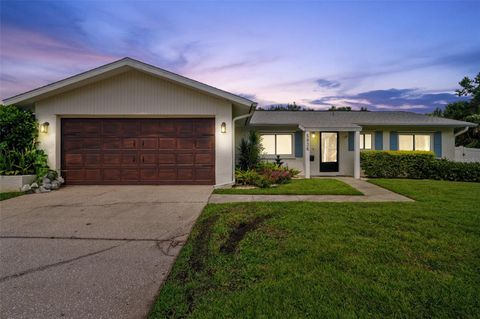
(129, 122)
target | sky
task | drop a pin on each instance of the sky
(384, 55)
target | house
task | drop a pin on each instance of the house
(129, 122)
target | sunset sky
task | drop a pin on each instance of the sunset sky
(382, 55)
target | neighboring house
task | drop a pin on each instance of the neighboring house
(128, 122)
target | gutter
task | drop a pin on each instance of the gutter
(235, 119)
(462, 131)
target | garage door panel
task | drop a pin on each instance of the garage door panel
(204, 143)
(112, 159)
(185, 158)
(138, 151)
(185, 173)
(167, 143)
(166, 158)
(185, 143)
(168, 173)
(204, 158)
(112, 143)
(74, 159)
(73, 144)
(112, 174)
(204, 173)
(129, 143)
(93, 159)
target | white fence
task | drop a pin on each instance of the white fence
(465, 154)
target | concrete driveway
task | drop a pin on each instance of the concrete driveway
(92, 251)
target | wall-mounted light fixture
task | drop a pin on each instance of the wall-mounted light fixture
(223, 127)
(313, 135)
(44, 127)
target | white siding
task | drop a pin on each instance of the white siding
(137, 94)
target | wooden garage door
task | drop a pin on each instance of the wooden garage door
(138, 151)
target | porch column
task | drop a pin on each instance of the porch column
(306, 154)
(356, 148)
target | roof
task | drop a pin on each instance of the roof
(350, 119)
(115, 68)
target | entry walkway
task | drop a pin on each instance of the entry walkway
(371, 193)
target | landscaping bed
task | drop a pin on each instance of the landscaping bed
(314, 186)
(299, 259)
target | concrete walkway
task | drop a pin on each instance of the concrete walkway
(371, 193)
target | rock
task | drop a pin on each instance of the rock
(37, 190)
(34, 185)
(26, 188)
(43, 190)
(46, 180)
(60, 179)
(47, 185)
(55, 185)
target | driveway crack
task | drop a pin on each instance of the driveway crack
(63, 262)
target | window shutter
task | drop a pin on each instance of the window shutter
(379, 140)
(298, 144)
(437, 144)
(393, 141)
(351, 141)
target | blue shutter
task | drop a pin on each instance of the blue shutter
(379, 140)
(298, 144)
(437, 144)
(393, 141)
(351, 141)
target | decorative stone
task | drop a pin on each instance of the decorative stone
(26, 188)
(60, 179)
(46, 180)
(55, 185)
(47, 185)
(36, 190)
(43, 189)
(34, 185)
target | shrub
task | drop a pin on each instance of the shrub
(251, 177)
(18, 139)
(18, 128)
(391, 164)
(275, 173)
(250, 150)
(25, 162)
(416, 165)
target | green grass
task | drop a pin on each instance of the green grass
(314, 186)
(4, 196)
(333, 260)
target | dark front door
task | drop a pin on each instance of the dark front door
(138, 151)
(328, 151)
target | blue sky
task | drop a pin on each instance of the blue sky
(382, 55)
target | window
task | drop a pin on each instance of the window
(277, 144)
(414, 142)
(366, 141)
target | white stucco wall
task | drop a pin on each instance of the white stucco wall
(140, 95)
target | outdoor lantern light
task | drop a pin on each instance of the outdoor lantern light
(44, 127)
(313, 135)
(223, 127)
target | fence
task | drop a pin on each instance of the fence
(465, 154)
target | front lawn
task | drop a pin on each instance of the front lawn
(4, 196)
(314, 186)
(341, 260)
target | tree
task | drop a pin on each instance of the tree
(287, 107)
(340, 108)
(250, 150)
(466, 111)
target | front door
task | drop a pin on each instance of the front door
(328, 151)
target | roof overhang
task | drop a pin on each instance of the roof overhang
(115, 68)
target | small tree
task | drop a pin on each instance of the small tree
(250, 151)
(18, 128)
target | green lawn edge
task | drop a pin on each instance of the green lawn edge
(8, 195)
(314, 186)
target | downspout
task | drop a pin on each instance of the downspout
(462, 131)
(250, 113)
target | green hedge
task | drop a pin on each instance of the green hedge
(417, 165)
